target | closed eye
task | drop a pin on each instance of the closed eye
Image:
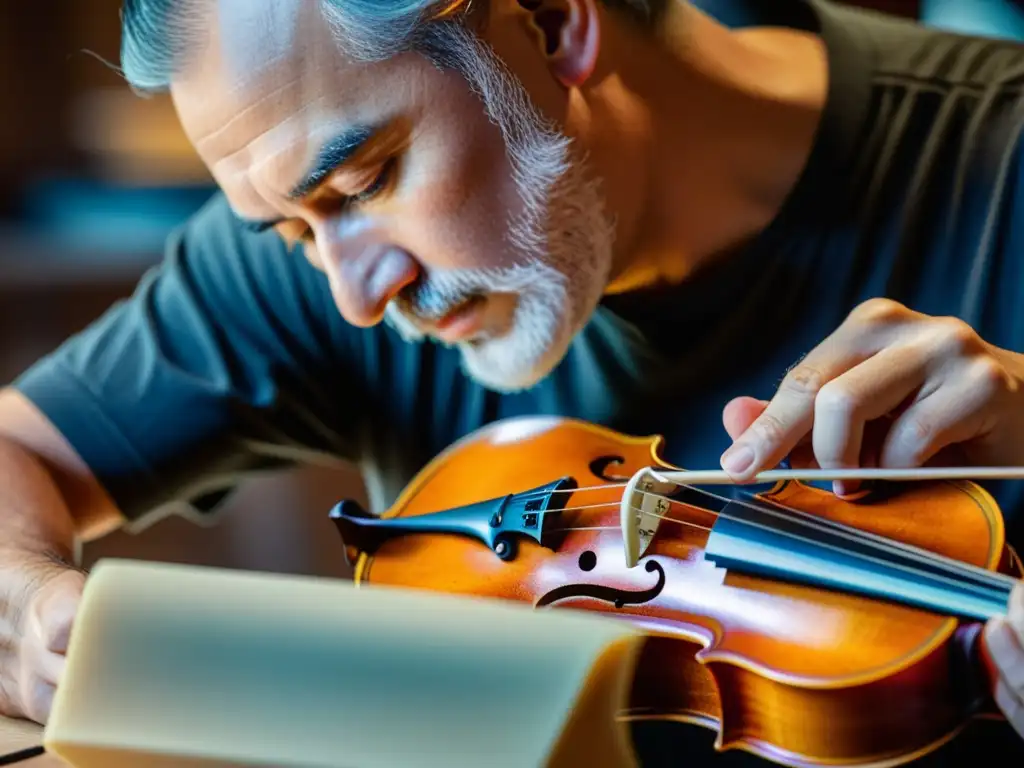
(376, 187)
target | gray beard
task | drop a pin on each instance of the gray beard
(557, 279)
(561, 245)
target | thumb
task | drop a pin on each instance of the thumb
(739, 413)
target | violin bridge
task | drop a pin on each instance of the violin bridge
(641, 511)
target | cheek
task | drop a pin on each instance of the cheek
(461, 195)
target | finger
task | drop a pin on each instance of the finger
(58, 622)
(867, 392)
(851, 409)
(1015, 613)
(740, 412)
(949, 415)
(39, 701)
(874, 435)
(778, 429)
(41, 662)
(1004, 640)
(868, 329)
(802, 457)
(1007, 654)
(789, 415)
(831, 407)
(50, 666)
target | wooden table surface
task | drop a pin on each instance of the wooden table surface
(19, 734)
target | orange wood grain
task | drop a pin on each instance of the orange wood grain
(801, 675)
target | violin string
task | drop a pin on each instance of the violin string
(677, 521)
(920, 554)
(980, 591)
(996, 580)
(785, 512)
(540, 494)
(803, 518)
(586, 528)
(616, 505)
(1003, 584)
(602, 505)
(999, 586)
(527, 495)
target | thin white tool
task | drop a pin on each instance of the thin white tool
(721, 477)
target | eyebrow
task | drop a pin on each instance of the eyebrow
(334, 154)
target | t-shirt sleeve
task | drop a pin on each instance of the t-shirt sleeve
(229, 357)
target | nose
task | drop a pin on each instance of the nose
(364, 276)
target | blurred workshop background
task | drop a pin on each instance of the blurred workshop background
(92, 179)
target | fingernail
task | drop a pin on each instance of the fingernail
(845, 487)
(737, 459)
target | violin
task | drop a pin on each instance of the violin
(805, 628)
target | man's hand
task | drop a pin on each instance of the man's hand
(1004, 639)
(889, 388)
(38, 601)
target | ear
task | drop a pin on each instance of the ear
(568, 32)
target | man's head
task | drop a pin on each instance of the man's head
(434, 189)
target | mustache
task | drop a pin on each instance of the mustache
(427, 300)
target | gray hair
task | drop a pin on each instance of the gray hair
(156, 34)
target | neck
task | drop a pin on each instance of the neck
(712, 128)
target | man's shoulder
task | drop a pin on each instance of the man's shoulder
(214, 253)
(889, 45)
(922, 126)
(216, 224)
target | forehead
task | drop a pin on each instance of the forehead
(267, 72)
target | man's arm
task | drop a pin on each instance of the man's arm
(943, 394)
(228, 358)
(28, 440)
(49, 499)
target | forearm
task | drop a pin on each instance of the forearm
(34, 515)
(49, 495)
(48, 500)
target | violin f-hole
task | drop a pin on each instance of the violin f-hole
(600, 465)
(617, 597)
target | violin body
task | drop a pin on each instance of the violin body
(799, 674)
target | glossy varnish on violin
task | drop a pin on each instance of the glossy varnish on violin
(798, 674)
